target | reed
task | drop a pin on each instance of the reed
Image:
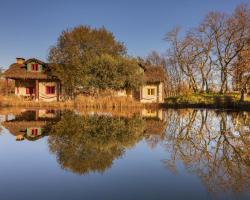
(14, 101)
(80, 102)
(106, 102)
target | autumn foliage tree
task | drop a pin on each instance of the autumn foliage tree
(89, 58)
(241, 72)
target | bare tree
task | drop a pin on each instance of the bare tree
(174, 78)
(242, 72)
(156, 59)
(183, 55)
(201, 39)
(229, 38)
(210, 49)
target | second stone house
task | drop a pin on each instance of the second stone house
(153, 89)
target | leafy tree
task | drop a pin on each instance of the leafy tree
(91, 58)
(108, 72)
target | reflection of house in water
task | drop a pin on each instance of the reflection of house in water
(158, 114)
(155, 121)
(29, 124)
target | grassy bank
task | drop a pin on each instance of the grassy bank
(79, 102)
(228, 101)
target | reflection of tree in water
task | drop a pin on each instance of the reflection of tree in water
(154, 132)
(84, 144)
(213, 145)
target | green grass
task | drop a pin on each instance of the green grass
(208, 100)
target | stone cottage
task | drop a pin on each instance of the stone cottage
(153, 89)
(34, 80)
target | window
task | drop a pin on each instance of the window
(50, 111)
(34, 132)
(151, 91)
(50, 90)
(150, 111)
(30, 90)
(34, 67)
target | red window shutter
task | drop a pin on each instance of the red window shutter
(34, 67)
(50, 89)
(27, 91)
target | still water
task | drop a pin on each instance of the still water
(150, 154)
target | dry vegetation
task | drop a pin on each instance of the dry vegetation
(11, 87)
(79, 102)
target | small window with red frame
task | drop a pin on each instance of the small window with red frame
(34, 132)
(30, 90)
(50, 111)
(34, 67)
(50, 89)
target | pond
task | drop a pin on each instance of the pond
(150, 154)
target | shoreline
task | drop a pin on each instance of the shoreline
(208, 101)
(239, 107)
(119, 103)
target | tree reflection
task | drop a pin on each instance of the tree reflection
(214, 145)
(86, 144)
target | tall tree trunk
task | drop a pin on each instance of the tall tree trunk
(193, 84)
(223, 88)
(242, 95)
(203, 86)
(207, 87)
(244, 88)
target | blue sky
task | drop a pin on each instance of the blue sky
(28, 28)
